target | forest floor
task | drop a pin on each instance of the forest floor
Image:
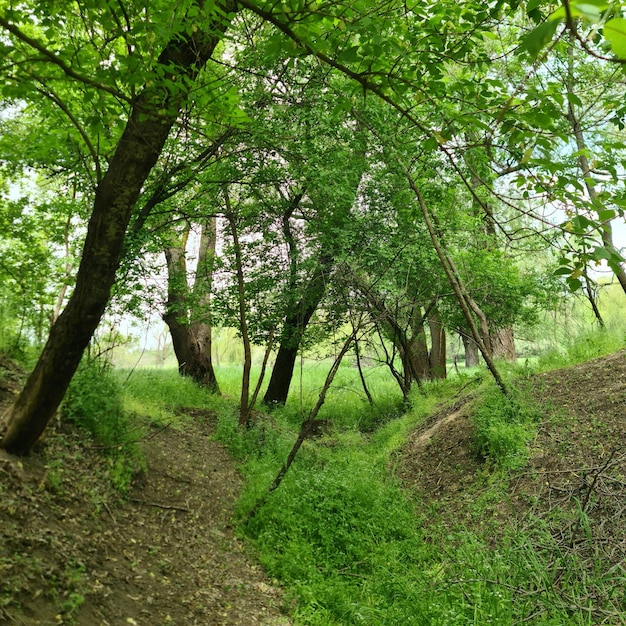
(576, 464)
(72, 551)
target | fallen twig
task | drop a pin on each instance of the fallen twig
(173, 507)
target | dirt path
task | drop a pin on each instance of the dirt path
(182, 563)
(71, 554)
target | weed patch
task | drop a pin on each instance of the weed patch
(504, 426)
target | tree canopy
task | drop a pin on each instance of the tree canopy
(405, 158)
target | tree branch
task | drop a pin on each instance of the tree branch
(56, 60)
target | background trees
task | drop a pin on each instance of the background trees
(362, 154)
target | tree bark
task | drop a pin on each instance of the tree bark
(294, 327)
(191, 338)
(153, 113)
(437, 356)
(471, 350)
(503, 344)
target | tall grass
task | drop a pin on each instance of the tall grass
(94, 402)
(161, 394)
(589, 341)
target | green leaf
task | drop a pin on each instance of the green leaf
(574, 99)
(600, 253)
(588, 11)
(349, 55)
(563, 271)
(615, 34)
(574, 284)
(533, 4)
(606, 214)
(581, 223)
(539, 37)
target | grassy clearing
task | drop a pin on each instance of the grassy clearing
(161, 395)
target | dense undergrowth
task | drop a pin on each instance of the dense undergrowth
(352, 547)
(341, 534)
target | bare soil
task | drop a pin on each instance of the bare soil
(72, 551)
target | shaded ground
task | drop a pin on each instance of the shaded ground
(74, 552)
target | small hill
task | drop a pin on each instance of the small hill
(573, 486)
(583, 438)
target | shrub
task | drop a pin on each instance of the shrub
(94, 403)
(504, 425)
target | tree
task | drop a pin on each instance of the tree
(153, 111)
(187, 310)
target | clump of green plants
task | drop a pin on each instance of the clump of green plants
(163, 394)
(340, 537)
(94, 402)
(504, 426)
(71, 589)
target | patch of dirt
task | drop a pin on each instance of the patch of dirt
(438, 459)
(72, 551)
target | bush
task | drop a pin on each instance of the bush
(94, 403)
(504, 425)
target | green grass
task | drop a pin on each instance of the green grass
(94, 402)
(160, 394)
(349, 545)
(583, 339)
(504, 426)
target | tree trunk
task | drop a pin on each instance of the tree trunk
(585, 168)
(244, 403)
(153, 113)
(415, 358)
(437, 356)
(471, 350)
(503, 343)
(294, 328)
(191, 339)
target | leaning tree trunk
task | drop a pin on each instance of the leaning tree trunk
(294, 328)
(153, 113)
(588, 175)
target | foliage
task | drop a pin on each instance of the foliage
(504, 426)
(94, 402)
(352, 548)
(583, 341)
